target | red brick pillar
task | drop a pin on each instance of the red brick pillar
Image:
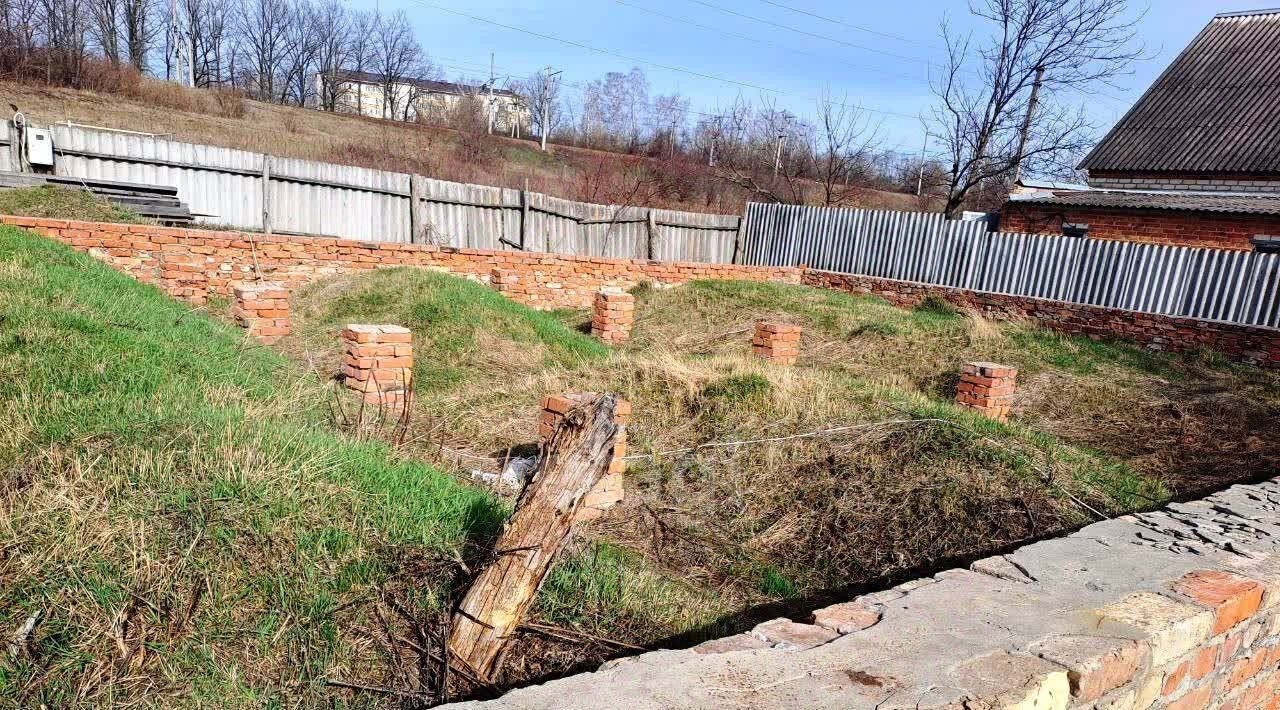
(609, 491)
(262, 308)
(987, 387)
(777, 342)
(378, 362)
(613, 315)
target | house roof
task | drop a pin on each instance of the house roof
(1252, 204)
(431, 85)
(1215, 109)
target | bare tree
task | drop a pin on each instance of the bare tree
(847, 140)
(263, 26)
(302, 46)
(982, 114)
(542, 91)
(106, 16)
(397, 55)
(138, 25)
(335, 49)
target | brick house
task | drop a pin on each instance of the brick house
(1196, 161)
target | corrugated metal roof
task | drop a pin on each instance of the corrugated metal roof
(1215, 109)
(1260, 204)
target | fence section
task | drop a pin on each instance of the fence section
(1212, 284)
(247, 190)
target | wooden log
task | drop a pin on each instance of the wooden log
(573, 461)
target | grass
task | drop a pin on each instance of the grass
(176, 505)
(54, 202)
(908, 481)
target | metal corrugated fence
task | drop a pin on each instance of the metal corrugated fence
(225, 187)
(1212, 284)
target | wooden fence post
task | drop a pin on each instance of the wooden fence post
(266, 194)
(524, 217)
(652, 223)
(737, 239)
(415, 209)
(573, 461)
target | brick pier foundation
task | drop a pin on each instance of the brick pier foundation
(262, 308)
(987, 387)
(378, 362)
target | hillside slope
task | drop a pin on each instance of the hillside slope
(176, 514)
(568, 172)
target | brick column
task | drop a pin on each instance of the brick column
(609, 491)
(378, 362)
(263, 309)
(777, 342)
(613, 315)
(987, 387)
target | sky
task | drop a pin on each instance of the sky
(873, 54)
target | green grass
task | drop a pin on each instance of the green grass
(50, 201)
(165, 482)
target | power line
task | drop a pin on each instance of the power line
(834, 21)
(597, 50)
(864, 48)
(757, 40)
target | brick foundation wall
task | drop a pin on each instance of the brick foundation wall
(193, 264)
(1151, 226)
(1249, 344)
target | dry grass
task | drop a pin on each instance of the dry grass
(227, 119)
(718, 531)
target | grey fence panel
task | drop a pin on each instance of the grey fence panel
(1212, 284)
(8, 151)
(226, 187)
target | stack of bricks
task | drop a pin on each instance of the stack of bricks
(987, 387)
(609, 491)
(262, 308)
(614, 313)
(378, 362)
(777, 342)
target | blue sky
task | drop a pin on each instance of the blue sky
(877, 54)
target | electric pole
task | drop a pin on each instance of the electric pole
(491, 80)
(920, 179)
(1026, 123)
(777, 154)
(545, 90)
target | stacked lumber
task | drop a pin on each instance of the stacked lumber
(158, 202)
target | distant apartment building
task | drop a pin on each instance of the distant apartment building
(1196, 161)
(411, 99)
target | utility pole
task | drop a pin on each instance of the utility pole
(491, 80)
(920, 178)
(545, 90)
(1026, 123)
(777, 154)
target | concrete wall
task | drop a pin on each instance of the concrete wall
(1176, 609)
(194, 264)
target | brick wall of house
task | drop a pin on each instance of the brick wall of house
(1185, 181)
(1160, 227)
(194, 264)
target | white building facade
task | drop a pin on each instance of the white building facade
(426, 99)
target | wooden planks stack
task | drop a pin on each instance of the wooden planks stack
(158, 202)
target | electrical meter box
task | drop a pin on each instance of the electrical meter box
(39, 146)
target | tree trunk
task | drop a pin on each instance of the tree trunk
(573, 461)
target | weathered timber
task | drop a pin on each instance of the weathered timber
(573, 461)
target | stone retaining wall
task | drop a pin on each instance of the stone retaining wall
(194, 264)
(1177, 608)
